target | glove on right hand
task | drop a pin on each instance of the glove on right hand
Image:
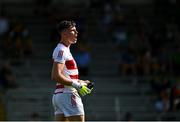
(82, 89)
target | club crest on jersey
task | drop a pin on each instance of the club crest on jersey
(60, 54)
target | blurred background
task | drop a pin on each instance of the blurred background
(130, 49)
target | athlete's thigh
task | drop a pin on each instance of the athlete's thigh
(72, 105)
(68, 104)
(79, 118)
(60, 117)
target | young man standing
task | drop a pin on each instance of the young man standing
(66, 101)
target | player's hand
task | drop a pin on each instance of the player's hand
(90, 85)
(87, 83)
(84, 90)
(84, 82)
(83, 87)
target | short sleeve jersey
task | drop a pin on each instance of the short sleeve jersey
(62, 54)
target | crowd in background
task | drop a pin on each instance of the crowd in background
(15, 48)
(15, 42)
(147, 45)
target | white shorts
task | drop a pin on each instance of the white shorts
(69, 104)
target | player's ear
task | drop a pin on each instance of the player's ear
(62, 34)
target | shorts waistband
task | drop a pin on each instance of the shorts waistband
(58, 92)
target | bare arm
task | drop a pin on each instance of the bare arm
(58, 76)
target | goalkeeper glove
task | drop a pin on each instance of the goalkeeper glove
(83, 90)
(90, 85)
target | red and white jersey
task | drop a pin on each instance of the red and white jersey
(63, 55)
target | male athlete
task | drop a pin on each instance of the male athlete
(66, 101)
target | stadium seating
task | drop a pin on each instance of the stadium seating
(113, 95)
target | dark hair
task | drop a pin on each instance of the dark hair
(64, 25)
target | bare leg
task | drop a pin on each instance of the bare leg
(60, 117)
(79, 118)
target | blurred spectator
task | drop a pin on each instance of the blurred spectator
(144, 62)
(159, 105)
(4, 26)
(7, 77)
(161, 90)
(27, 42)
(82, 56)
(175, 96)
(128, 63)
(120, 37)
(142, 51)
(107, 18)
(15, 37)
(17, 44)
(108, 14)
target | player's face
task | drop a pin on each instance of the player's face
(72, 34)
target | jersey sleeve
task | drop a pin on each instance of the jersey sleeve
(59, 56)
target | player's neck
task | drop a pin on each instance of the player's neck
(65, 43)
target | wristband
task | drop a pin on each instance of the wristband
(76, 85)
